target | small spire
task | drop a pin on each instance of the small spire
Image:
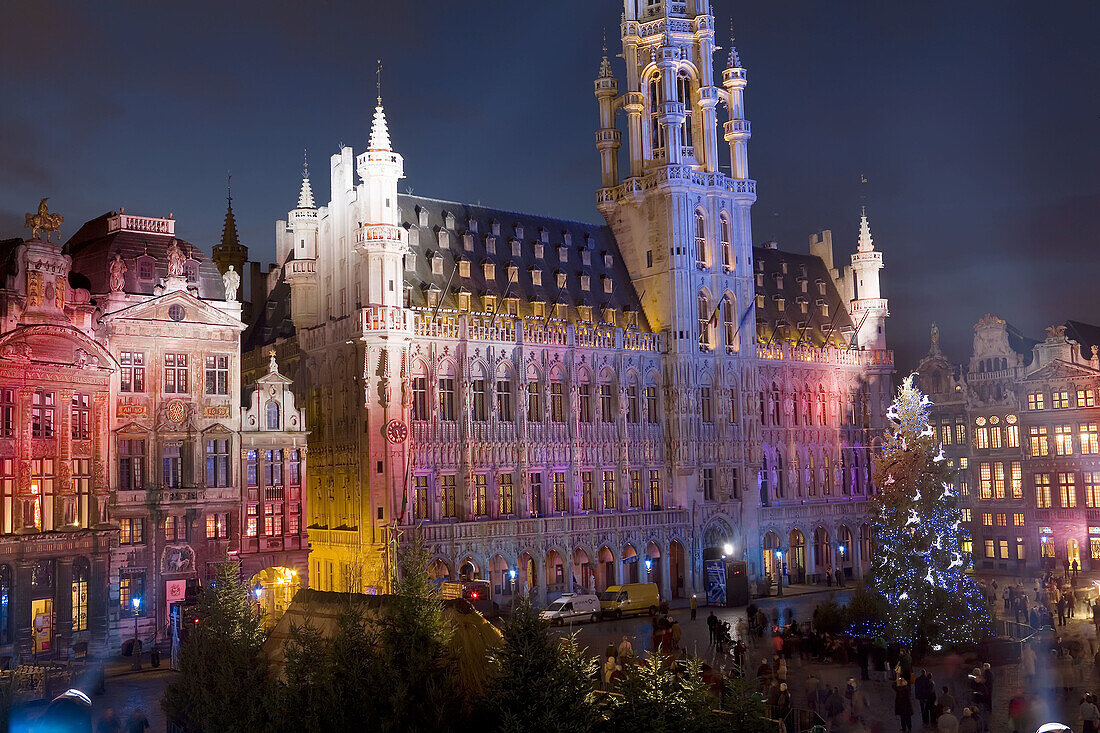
(734, 59)
(305, 195)
(379, 131)
(866, 244)
(305, 163)
(229, 189)
(378, 81)
(229, 229)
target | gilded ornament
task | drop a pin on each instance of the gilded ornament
(45, 221)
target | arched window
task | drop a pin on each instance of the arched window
(813, 475)
(191, 271)
(655, 113)
(827, 474)
(683, 90)
(780, 488)
(729, 323)
(727, 247)
(702, 253)
(706, 336)
(81, 572)
(796, 472)
(272, 415)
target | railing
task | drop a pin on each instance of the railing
(550, 526)
(825, 355)
(738, 126)
(380, 233)
(384, 318)
(540, 332)
(143, 224)
(343, 537)
(634, 186)
(301, 267)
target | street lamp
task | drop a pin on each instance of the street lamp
(648, 565)
(136, 650)
(779, 572)
(727, 548)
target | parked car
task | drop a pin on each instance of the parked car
(572, 607)
(633, 598)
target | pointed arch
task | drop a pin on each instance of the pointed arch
(702, 247)
(730, 322)
(725, 241)
(706, 328)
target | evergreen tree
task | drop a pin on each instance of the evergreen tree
(920, 568)
(656, 697)
(743, 707)
(223, 684)
(417, 686)
(540, 682)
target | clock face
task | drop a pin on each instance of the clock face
(396, 431)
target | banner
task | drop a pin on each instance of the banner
(175, 590)
(715, 572)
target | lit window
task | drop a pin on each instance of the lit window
(81, 571)
(560, 495)
(1042, 490)
(1059, 400)
(1002, 520)
(1068, 490)
(998, 480)
(506, 496)
(1089, 438)
(655, 489)
(1092, 488)
(965, 512)
(421, 503)
(987, 519)
(1086, 398)
(1063, 440)
(447, 399)
(1012, 433)
(985, 481)
(217, 375)
(989, 548)
(447, 496)
(1039, 442)
(1016, 480)
(635, 489)
(981, 437)
(480, 494)
(1017, 520)
(588, 491)
(1035, 401)
(609, 499)
(175, 373)
(250, 528)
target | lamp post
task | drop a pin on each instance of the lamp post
(779, 572)
(136, 650)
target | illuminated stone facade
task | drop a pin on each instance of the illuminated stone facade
(581, 404)
(1020, 421)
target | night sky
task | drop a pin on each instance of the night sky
(975, 123)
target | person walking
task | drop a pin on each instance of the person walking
(694, 606)
(609, 669)
(626, 650)
(109, 723)
(903, 704)
(947, 723)
(813, 686)
(1090, 714)
(834, 707)
(969, 722)
(783, 702)
(712, 626)
(829, 575)
(925, 692)
(137, 723)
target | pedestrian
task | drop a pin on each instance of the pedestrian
(1075, 568)
(783, 702)
(947, 723)
(970, 723)
(829, 575)
(1006, 594)
(764, 671)
(834, 707)
(677, 633)
(712, 625)
(694, 605)
(1061, 607)
(109, 723)
(626, 650)
(946, 701)
(903, 704)
(987, 678)
(905, 665)
(839, 578)
(813, 685)
(925, 692)
(609, 669)
(137, 723)
(1090, 714)
(1018, 712)
(1096, 615)
(780, 668)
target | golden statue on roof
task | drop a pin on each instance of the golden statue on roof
(45, 221)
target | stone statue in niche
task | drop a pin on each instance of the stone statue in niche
(118, 274)
(232, 280)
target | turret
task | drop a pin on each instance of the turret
(230, 251)
(869, 309)
(737, 128)
(607, 137)
(380, 240)
(301, 269)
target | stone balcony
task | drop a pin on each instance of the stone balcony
(825, 355)
(542, 527)
(176, 497)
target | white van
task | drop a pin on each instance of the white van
(572, 607)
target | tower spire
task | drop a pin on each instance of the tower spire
(229, 229)
(734, 61)
(305, 196)
(379, 131)
(378, 82)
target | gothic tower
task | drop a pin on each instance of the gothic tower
(301, 269)
(684, 227)
(868, 307)
(230, 251)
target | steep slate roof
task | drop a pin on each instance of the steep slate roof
(551, 233)
(775, 324)
(1085, 334)
(270, 320)
(1020, 343)
(93, 248)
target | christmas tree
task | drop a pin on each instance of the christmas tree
(920, 567)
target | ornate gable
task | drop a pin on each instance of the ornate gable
(1059, 369)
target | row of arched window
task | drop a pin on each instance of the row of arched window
(704, 256)
(683, 95)
(818, 473)
(809, 408)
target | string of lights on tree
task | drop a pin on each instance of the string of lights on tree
(920, 567)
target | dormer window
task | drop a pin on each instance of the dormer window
(760, 301)
(494, 227)
(513, 273)
(464, 300)
(607, 283)
(780, 302)
(146, 268)
(491, 245)
(823, 307)
(608, 260)
(567, 237)
(609, 315)
(584, 312)
(448, 220)
(778, 281)
(433, 297)
(631, 319)
(563, 254)
(544, 235)
(585, 282)
(511, 306)
(516, 247)
(586, 258)
(536, 276)
(490, 270)
(803, 304)
(422, 216)
(410, 261)
(538, 308)
(191, 271)
(539, 250)
(783, 267)
(561, 279)
(468, 241)
(471, 224)
(802, 281)
(519, 231)
(414, 237)
(820, 287)
(490, 303)
(463, 268)
(802, 269)
(759, 279)
(437, 264)
(559, 310)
